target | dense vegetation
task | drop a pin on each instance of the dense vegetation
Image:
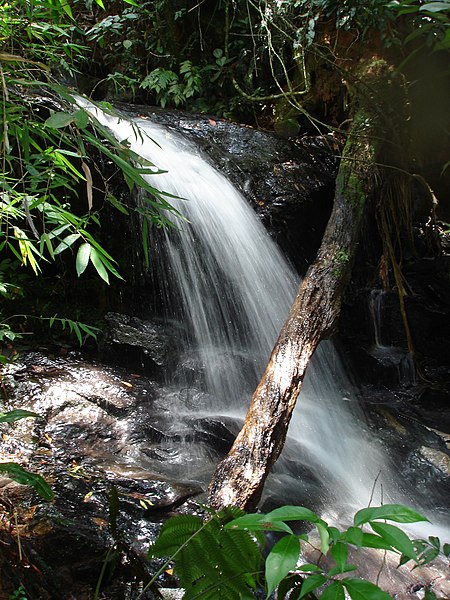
(294, 66)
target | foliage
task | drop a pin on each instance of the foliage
(16, 471)
(211, 565)
(230, 561)
(52, 191)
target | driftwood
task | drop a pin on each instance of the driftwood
(240, 477)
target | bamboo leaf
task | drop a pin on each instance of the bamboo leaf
(66, 243)
(19, 474)
(82, 260)
(89, 184)
(17, 414)
(96, 260)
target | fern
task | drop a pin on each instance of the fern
(212, 563)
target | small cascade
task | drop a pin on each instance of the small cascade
(229, 288)
(388, 351)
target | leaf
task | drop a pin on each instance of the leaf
(396, 538)
(282, 558)
(18, 473)
(16, 415)
(335, 591)
(312, 583)
(340, 553)
(435, 6)
(89, 184)
(324, 538)
(59, 119)
(257, 522)
(81, 118)
(66, 243)
(359, 589)
(82, 260)
(392, 512)
(96, 260)
(292, 513)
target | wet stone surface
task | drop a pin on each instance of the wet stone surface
(107, 442)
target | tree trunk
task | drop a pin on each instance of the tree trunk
(240, 477)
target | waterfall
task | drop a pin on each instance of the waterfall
(230, 287)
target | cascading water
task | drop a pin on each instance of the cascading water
(228, 282)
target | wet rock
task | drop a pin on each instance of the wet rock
(135, 343)
(290, 183)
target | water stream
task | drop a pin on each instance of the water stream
(230, 287)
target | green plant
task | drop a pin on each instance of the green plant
(52, 191)
(18, 594)
(212, 565)
(16, 471)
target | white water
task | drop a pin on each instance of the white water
(235, 289)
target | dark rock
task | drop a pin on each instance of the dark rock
(135, 343)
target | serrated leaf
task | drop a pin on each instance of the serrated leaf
(312, 583)
(82, 260)
(292, 513)
(19, 474)
(396, 538)
(392, 512)
(359, 589)
(17, 414)
(335, 591)
(59, 119)
(282, 558)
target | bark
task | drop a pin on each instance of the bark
(240, 477)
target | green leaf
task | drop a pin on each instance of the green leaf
(354, 535)
(117, 204)
(435, 6)
(96, 260)
(396, 538)
(335, 591)
(81, 118)
(324, 537)
(66, 243)
(59, 119)
(257, 522)
(359, 589)
(339, 570)
(312, 583)
(446, 549)
(282, 558)
(339, 552)
(392, 512)
(16, 415)
(82, 260)
(18, 473)
(292, 513)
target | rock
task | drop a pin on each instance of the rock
(135, 343)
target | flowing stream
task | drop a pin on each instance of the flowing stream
(228, 284)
